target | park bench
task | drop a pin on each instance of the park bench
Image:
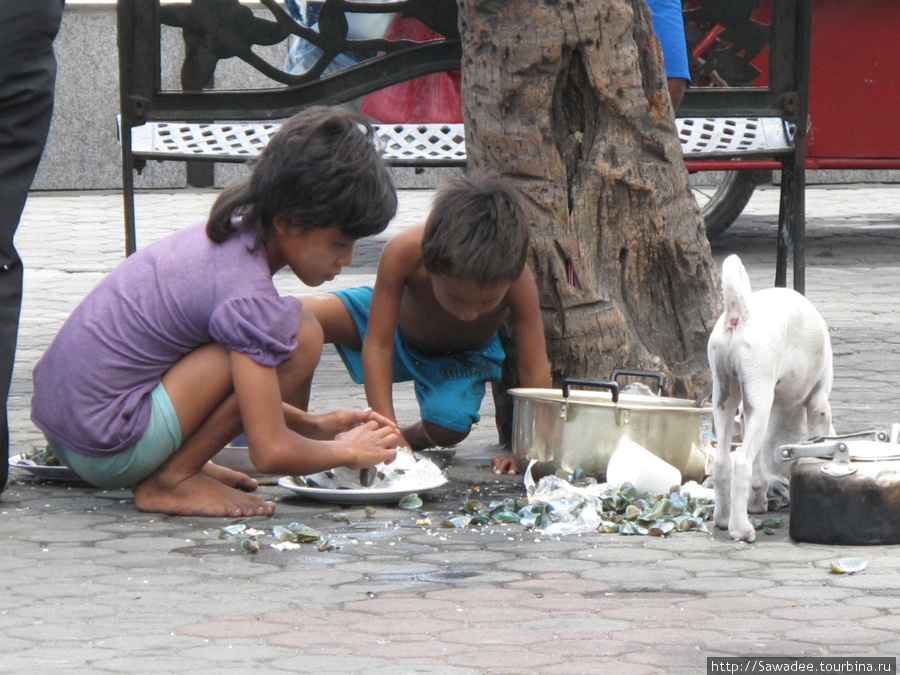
(719, 127)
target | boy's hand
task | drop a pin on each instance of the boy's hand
(403, 443)
(504, 464)
(371, 444)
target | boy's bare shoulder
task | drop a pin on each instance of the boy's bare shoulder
(402, 254)
(408, 239)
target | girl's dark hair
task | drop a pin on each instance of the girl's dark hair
(324, 168)
(476, 231)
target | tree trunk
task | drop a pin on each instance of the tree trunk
(568, 101)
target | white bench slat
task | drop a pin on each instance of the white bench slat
(701, 138)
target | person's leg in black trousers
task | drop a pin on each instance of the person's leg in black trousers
(27, 80)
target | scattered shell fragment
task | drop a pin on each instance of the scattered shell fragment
(768, 525)
(848, 565)
(232, 531)
(411, 502)
(250, 545)
(282, 533)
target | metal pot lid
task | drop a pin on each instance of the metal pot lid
(605, 399)
(852, 450)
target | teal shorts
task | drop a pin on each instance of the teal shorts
(128, 468)
(449, 387)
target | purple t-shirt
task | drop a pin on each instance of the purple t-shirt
(92, 386)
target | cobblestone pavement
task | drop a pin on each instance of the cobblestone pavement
(89, 584)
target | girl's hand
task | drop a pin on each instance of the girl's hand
(371, 444)
(382, 420)
(326, 426)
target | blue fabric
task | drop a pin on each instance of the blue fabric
(668, 24)
(131, 466)
(449, 387)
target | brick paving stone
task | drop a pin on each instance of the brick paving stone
(173, 663)
(622, 576)
(728, 584)
(567, 591)
(807, 594)
(564, 584)
(386, 604)
(486, 615)
(499, 634)
(599, 665)
(873, 581)
(887, 602)
(824, 614)
(156, 642)
(575, 648)
(741, 646)
(322, 641)
(571, 602)
(849, 635)
(425, 648)
(215, 655)
(506, 658)
(337, 664)
(573, 624)
(51, 659)
(890, 622)
(683, 654)
(727, 602)
(464, 557)
(662, 615)
(687, 635)
(412, 624)
(592, 667)
(507, 595)
(344, 620)
(217, 630)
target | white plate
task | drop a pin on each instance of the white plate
(42, 471)
(356, 496)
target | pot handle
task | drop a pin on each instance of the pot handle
(599, 384)
(658, 374)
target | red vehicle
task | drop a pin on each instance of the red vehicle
(853, 100)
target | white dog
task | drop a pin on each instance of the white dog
(770, 353)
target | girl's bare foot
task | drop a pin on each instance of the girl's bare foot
(197, 495)
(231, 477)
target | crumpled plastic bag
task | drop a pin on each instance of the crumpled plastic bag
(572, 509)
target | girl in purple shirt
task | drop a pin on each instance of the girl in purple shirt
(187, 342)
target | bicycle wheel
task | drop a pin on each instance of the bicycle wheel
(724, 200)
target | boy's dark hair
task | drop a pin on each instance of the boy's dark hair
(476, 231)
(323, 167)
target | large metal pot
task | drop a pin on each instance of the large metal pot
(567, 429)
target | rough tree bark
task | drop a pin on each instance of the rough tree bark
(568, 101)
